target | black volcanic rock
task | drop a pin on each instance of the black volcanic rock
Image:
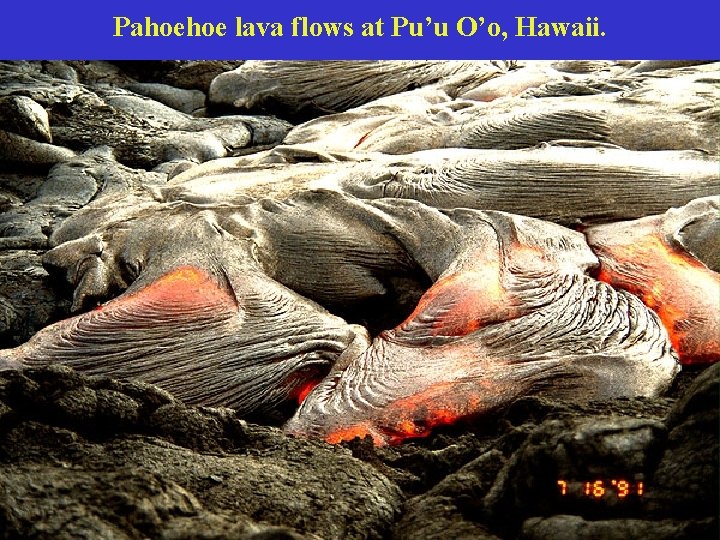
(447, 509)
(92, 456)
(566, 527)
(98, 457)
(106, 457)
(686, 479)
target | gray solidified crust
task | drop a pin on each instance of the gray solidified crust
(18, 150)
(22, 115)
(69, 186)
(187, 101)
(633, 112)
(312, 88)
(199, 74)
(588, 184)
(142, 132)
(654, 65)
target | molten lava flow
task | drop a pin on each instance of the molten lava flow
(183, 287)
(415, 416)
(681, 290)
(411, 417)
(441, 404)
(360, 430)
(508, 317)
(394, 391)
(465, 301)
(362, 139)
(459, 304)
(301, 387)
(433, 392)
(304, 390)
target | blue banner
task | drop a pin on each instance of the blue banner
(135, 29)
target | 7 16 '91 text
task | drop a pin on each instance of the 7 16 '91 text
(598, 489)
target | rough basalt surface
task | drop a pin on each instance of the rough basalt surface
(87, 457)
(99, 457)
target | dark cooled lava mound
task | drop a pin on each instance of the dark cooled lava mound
(492, 286)
(98, 458)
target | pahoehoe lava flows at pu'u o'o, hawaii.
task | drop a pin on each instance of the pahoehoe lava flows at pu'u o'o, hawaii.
(391, 294)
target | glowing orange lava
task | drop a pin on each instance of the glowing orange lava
(462, 303)
(681, 290)
(183, 287)
(348, 433)
(416, 416)
(303, 389)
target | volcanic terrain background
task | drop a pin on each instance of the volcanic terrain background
(324, 169)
